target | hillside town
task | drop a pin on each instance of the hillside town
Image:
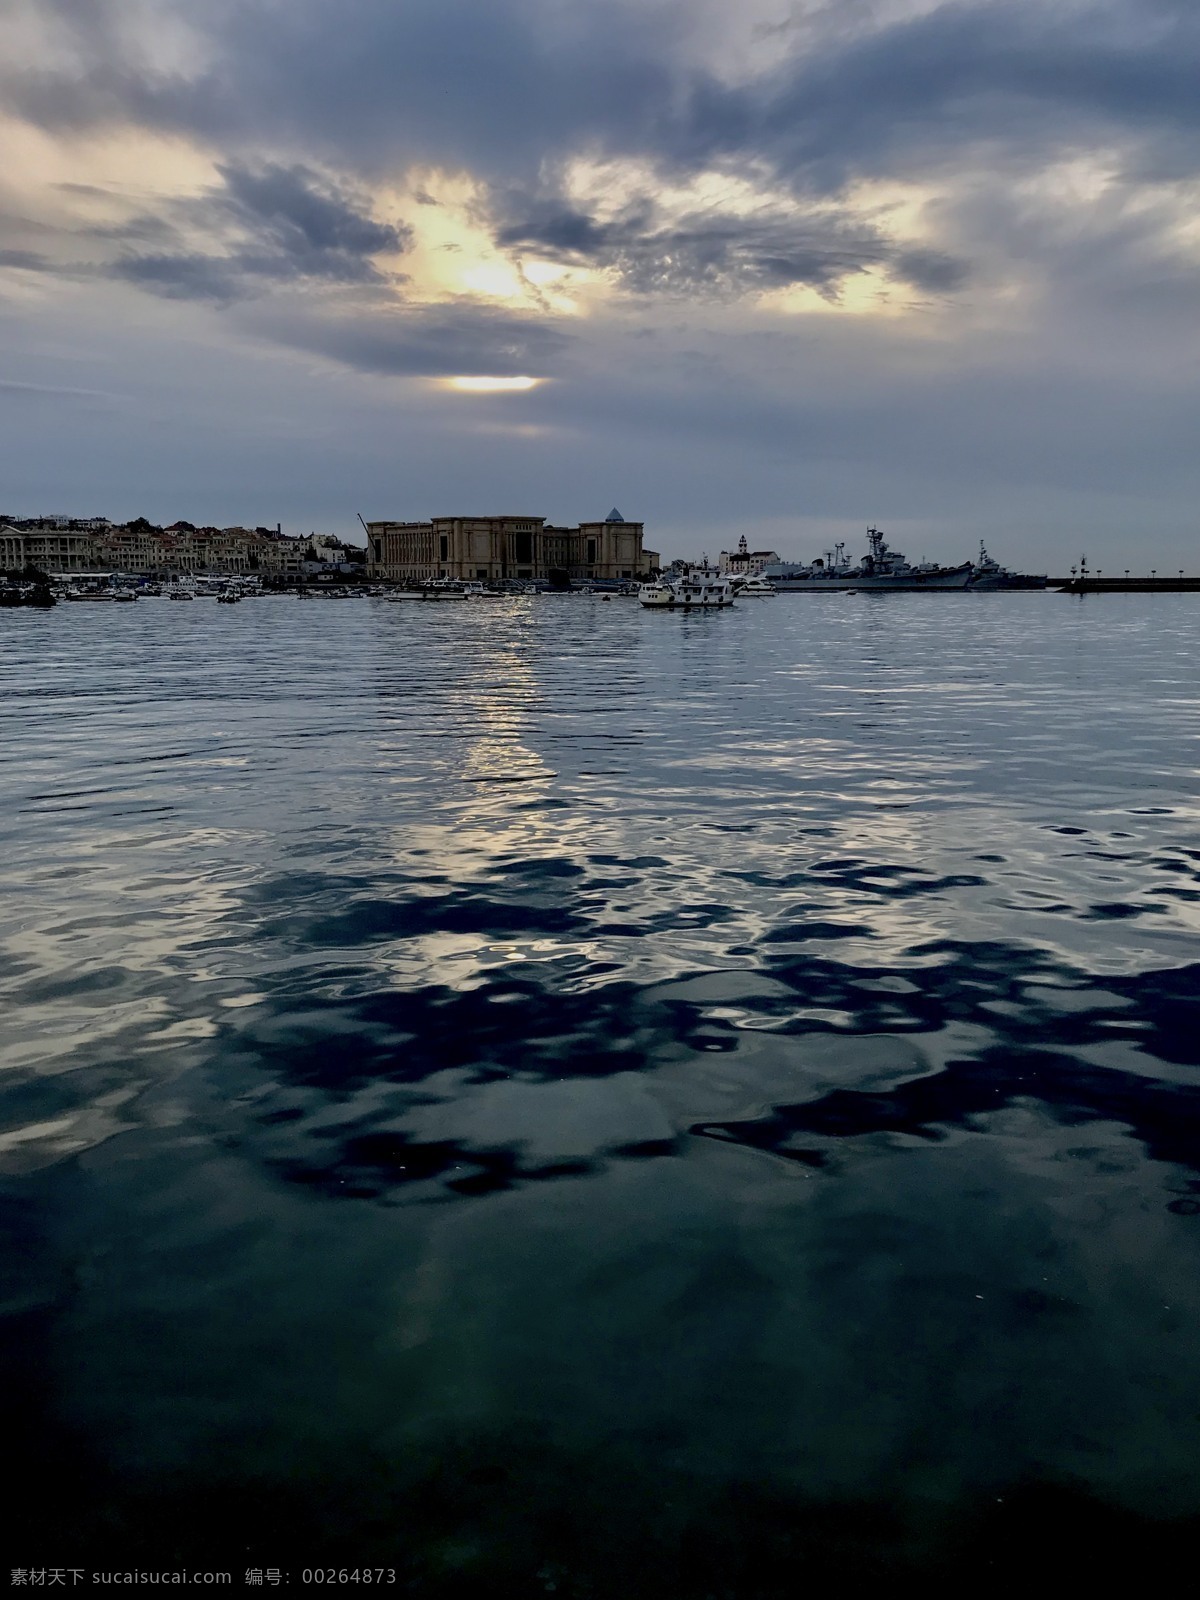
(66, 545)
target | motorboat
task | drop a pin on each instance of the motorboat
(440, 589)
(178, 591)
(697, 590)
(107, 595)
(26, 594)
(753, 589)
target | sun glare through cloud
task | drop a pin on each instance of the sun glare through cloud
(486, 385)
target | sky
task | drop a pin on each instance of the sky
(779, 268)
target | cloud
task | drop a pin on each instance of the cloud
(419, 341)
(184, 277)
(37, 391)
(717, 252)
(25, 260)
(368, 81)
(496, 84)
(311, 222)
(285, 224)
(999, 79)
(1029, 172)
(932, 270)
(833, 96)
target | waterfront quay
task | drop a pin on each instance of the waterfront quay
(517, 549)
(506, 553)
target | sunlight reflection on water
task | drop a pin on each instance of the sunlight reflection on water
(764, 1042)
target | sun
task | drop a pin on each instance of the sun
(485, 385)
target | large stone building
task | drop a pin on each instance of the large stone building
(50, 548)
(493, 549)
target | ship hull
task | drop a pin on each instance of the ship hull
(1009, 580)
(948, 578)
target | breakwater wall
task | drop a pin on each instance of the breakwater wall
(1123, 585)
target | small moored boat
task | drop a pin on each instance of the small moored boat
(694, 591)
(443, 589)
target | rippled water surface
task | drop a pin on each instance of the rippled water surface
(553, 1098)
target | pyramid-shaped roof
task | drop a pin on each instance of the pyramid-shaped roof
(614, 516)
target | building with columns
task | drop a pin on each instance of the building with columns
(492, 549)
(50, 548)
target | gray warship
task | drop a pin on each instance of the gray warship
(989, 574)
(882, 568)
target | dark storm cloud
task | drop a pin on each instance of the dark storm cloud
(999, 81)
(186, 277)
(25, 260)
(712, 252)
(308, 222)
(420, 341)
(369, 81)
(931, 270)
(286, 224)
(510, 90)
(499, 84)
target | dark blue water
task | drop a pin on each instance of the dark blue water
(551, 1098)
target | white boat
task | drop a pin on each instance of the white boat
(178, 591)
(107, 595)
(694, 591)
(753, 589)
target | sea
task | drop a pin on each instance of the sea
(542, 1097)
